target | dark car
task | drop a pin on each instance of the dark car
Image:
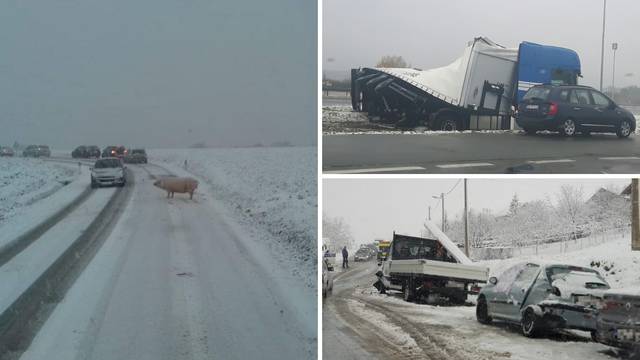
(93, 151)
(80, 152)
(363, 254)
(6, 151)
(136, 156)
(114, 151)
(618, 321)
(570, 109)
(36, 151)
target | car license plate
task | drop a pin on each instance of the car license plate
(532, 107)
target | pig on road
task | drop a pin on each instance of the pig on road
(177, 185)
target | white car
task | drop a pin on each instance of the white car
(327, 278)
(108, 171)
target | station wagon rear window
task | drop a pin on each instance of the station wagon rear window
(537, 93)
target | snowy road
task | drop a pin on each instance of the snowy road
(174, 280)
(360, 323)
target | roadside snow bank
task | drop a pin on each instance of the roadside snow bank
(25, 181)
(613, 259)
(272, 191)
(21, 209)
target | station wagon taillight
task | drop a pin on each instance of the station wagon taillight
(553, 109)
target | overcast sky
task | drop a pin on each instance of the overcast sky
(374, 208)
(158, 73)
(430, 33)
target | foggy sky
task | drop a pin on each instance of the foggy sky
(431, 33)
(374, 208)
(158, 73)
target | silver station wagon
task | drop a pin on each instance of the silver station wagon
(542, 297)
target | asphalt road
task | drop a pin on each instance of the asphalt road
(480, 152)
(174, 280)
(359, 323)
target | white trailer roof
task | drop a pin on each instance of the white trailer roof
(448, 82)
(451, 247)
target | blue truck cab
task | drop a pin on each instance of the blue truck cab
(544, 64)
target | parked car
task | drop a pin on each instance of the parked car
(80, 152)
(618, 321)
(363, 254)
(542, 297)
(327, 278)
(108, 171)
(6, 151)
(136, 156)
(570, 109)
(93, 151)
(36, 151)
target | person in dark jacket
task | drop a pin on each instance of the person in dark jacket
(345, 258)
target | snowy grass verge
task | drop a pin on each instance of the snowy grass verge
(271, 191)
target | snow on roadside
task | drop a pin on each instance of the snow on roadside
(26, 181)
(272, 191)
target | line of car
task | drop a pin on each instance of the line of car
(30, 151)
(134, 156)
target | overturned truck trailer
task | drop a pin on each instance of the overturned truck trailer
(477, 91)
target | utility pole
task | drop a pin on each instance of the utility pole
(635, 216)
(441, 197)
(604, 13)
(466, 221)
(429, 213)
(614, 47)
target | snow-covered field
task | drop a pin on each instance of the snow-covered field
(613, 259)
(23, 182)
(272, 191)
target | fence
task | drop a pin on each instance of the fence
(541, 247)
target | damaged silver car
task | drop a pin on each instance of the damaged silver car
(542, 297)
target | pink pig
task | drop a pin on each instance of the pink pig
(177, 185)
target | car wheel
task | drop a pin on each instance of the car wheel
(624, 129)
(530, 323)
(408, 293)
(482, 311)
(568, 128)
(448, 125)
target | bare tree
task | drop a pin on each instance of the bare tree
(337, 231)
(570, 205)
(390, 61)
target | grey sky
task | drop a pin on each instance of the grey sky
(158, 73)
(374, 208)
(431, 33)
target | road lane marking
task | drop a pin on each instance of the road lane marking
(550, 161)
(466, 165)
(620, 158)
(373, 170)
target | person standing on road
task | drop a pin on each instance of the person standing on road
(345, 258)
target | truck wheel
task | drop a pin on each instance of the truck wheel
(408, 292)
(448, 125)
(530, 323)
(482, 311)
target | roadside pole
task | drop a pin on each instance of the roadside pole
(635, 216)
(466, 221)
(442, 197)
